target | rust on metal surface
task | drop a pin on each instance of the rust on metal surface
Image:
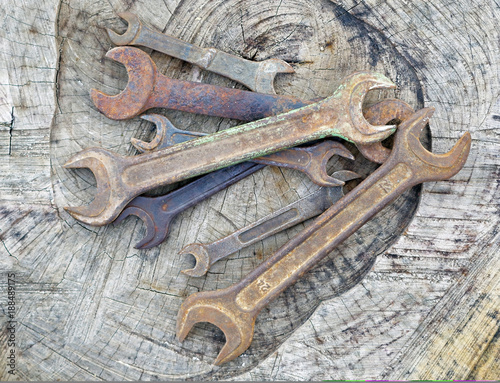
(158, 212)
(311, 160)
(256, 75)
(147, 89)
(120, 179)
(235, 308)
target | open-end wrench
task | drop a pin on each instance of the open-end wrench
(158, 212)
(120, 179)
(234, 309)
(257, 76)
(147, 89)
(311, 160)
(206, 254)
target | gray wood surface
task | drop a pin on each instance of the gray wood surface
(415, 294)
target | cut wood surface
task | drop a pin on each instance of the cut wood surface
(415, 294)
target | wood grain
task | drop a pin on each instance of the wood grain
(413, 295)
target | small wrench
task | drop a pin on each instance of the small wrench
(257, 76)
(147, 89)
(158, 212)
(120, 179)
(206, 255)
(234, 309)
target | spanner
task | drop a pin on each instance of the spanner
(158, 212)
(257, 76)
(120, 179)
(206, 254)
(147, 89)
(311, 160)
(234, 309)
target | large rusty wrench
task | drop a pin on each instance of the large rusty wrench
(257, 76)
(234, 309)
(311, 160)
(120, 179)
(148, 89)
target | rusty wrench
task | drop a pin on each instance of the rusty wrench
(206, 254)
(120, 179)
(158, 212)
(234, 309)
(257, 76)
(311, 160)
(147, 89)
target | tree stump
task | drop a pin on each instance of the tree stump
(414, 294)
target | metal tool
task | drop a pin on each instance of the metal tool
(120, 179)
(167, 135)
(234, 309)
(311, 160)
(206, 255)
(257, 76)
(147, 89)
(158, 212)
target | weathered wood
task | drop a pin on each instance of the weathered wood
(395, 301)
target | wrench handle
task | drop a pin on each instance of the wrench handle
(334, 226)
(257, 76)
(218, 101)
(172, 46)
(271, 224)
(205, 187)
(225, 148)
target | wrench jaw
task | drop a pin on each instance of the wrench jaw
(311, 161)
(162, 124)
(201, 257)
(429, 166)
(362, 85)
(316, 170)
(154, 216)
(82, 160)
(105, 206)
(145, 217)
(131, 101)
(379, 114)
(216, 307)
(352, 125)
(268, 69)
(133, 30)
(166, 134)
